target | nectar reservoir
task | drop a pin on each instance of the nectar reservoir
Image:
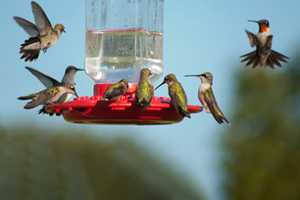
(123, 37)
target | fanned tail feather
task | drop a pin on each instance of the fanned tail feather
(273, 59)
(29, 54)
(252, 58)
(279, 56)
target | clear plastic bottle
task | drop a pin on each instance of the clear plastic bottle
(122, 37)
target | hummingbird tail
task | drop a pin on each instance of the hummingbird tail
(184, 113)
(217, 113)
(252, 58)
(255, 59)
(275, 57)
(30, 53)
(220, 118)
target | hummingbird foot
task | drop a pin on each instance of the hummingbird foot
(46, 47)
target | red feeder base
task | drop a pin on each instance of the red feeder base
(93, 110)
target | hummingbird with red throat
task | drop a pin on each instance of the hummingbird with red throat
(263, 56)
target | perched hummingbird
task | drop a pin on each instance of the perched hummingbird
(48, 96)
(207, 98)
(116, 90)
(49, 82)
(177, 94)
(42, 35)
(263, 56)
(144, 91)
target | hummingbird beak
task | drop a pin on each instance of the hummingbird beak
(191, 75)
(76, 94)
(80, 69)
(253, 21)
(159, 85)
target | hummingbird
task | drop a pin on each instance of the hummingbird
(144, 91)
(49, 82)
(116, 90)
(263, 56)
(48, 96)
(177, 95)
(42, 35)
(207, 98)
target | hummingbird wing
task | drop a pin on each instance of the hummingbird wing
(47, 81)
(28, 27)
(35, 103)
(30, 96)
(42, 22)
(143, 95)
(252, 38)
(211, 102)
(274, 57)
(45, 97)
(179, 99)
(114, 91)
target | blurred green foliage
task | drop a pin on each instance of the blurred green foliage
(263, 144)
(44, 164)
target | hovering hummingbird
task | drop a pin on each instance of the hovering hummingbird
(144, 91)
(177, 94)
(49, 82)
(116, 90)
(48, 96)
(263, 56)
(42, 35)
(207, 98)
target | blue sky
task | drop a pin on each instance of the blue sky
(199, 36)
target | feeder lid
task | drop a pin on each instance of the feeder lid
(94, 110)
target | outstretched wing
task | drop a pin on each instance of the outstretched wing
(252, 38)
(47, 81)
(43, 98)
(42, 22)
(28, 27)
(213, 107)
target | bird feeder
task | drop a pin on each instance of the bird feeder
(122, 37)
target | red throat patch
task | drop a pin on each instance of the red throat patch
(264, 28)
